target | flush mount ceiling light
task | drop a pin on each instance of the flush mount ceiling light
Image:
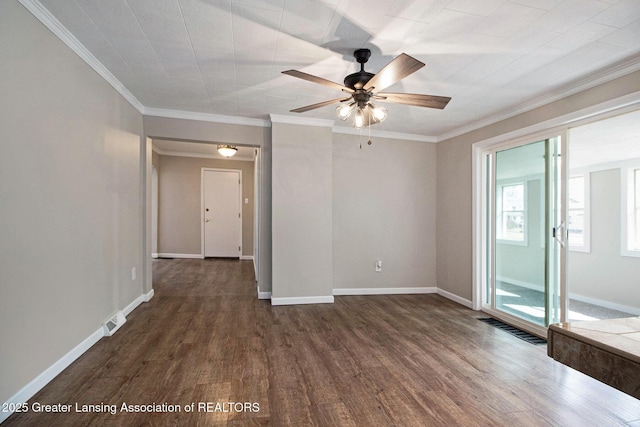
(363, 87)
(227, 150)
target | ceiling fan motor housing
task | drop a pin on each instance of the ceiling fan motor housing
(358, 80)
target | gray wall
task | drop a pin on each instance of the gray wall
(383, 209)
(71, 206)
(224, 133)
(454, 181)
(301, 216)
(603, 273)
(179, 203)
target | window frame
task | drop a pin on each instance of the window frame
(500, 211)
(585, 247)
(630, 209)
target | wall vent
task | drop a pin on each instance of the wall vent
(114, 323)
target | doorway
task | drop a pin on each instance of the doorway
(221, 213)
(524, 233)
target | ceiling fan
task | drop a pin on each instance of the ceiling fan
(363, 87)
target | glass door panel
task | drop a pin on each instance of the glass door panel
(520, 195)
(525, 231)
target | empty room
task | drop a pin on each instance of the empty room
(320, 212)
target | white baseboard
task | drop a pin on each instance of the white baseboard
(136, 302)
(264, 295)
(302, 300)
(246, 257)
(155, 255)
(455, 298)
(29, 390)
(185, 256)
(606, 304)
(383, 291)
(578, 297)
(533, 286)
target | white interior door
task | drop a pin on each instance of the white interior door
(221, 205)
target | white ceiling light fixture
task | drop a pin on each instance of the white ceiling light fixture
(227, 150)
(367, 115)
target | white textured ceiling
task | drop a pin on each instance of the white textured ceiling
(225, 57)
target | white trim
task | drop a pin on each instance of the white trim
(627, 208)
(29, 390)
(136, 302)
(205, 117)
(606, 304)
(455, 298)
(521, 283)
(185, 256)
(147, 297)
(386, 134)
(306, 121)
(599, 111)
(35, 385)
(246, 257)
(612, 107)
(302, 300)
(48, 20)
(620, 70)
(585, 247)
(264, 295)
(201, 155)
(384, 291)
(155, 256)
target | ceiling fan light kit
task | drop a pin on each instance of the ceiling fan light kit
(363, 86)
(227, 150)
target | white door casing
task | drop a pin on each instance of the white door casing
(221, 213)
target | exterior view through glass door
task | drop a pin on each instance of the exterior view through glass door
(524, 232)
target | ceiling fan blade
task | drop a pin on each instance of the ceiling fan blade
(316, 79)
(400, 67)
(318, 105)
(430, 101)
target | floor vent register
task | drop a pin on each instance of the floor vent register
(519, 333)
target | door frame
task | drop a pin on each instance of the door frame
(202, 232)
(479, 151)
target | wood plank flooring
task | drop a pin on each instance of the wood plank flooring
(406, 360)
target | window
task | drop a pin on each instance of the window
(630, 184)
(578, 213)
(511, 218)
(635, 229)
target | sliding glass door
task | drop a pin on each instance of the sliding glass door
(524, 236)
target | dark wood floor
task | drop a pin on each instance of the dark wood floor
(410, 360)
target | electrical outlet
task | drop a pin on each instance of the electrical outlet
(378, 266)
(133, 273)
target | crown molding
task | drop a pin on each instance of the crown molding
(386, 134)
(621, 69)
(201, 155)
(48, 20)
(305, 121)
(205, 117)
(275, 118)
